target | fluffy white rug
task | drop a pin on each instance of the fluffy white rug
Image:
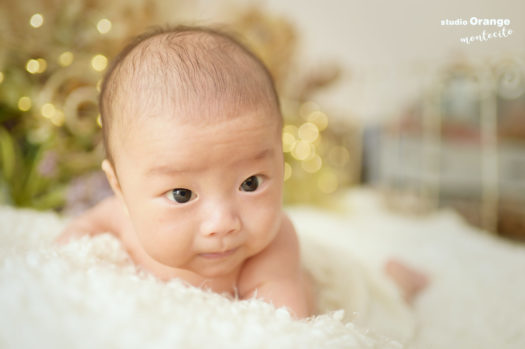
(87, 294)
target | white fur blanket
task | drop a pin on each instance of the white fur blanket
(87, 294)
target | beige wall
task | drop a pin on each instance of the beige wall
(373, 31)
(386, 46)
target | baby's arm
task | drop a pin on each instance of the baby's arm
(106, 216)
(275, 274)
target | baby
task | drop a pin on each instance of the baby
(192, 132)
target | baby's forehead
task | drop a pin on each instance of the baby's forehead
(194, 116)
(193, 139)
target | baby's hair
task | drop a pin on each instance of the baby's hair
(199, 72)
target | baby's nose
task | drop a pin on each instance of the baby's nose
(220, 221)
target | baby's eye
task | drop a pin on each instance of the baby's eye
(180, 195)
(251, 183)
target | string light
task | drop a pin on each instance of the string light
(313, 164)
(36, 66)
(318, 118)
(302, 150)
(104, 26)
(66, 58)
(308, 132)
(24, 103)
(36, 20)
(99, 62)
(48, 110)
(32, 66)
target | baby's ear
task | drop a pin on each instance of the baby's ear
(112, 177)
(109, 170)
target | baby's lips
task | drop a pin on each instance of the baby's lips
(216, 255)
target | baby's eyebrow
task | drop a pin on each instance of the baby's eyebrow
(170, 171)
(163, 170)
(263, 154)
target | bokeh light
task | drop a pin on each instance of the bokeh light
(308, 132)
(313, 164)
(104, 26)
(24, 103)
(36, 20)
(99, 62)
(302, 150)
(318, 118)
(66, 58)
(48, 110)
(32, 66)
(36, 66)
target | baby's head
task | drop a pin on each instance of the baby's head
(198, 74)
(192, 131)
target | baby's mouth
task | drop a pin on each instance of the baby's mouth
(218, 255)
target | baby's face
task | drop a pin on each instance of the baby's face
(203, 197)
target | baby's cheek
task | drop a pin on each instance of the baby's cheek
(265, 224)
(164, 240)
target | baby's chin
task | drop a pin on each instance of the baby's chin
(214, 274)
(219, 269)
(210, 268)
